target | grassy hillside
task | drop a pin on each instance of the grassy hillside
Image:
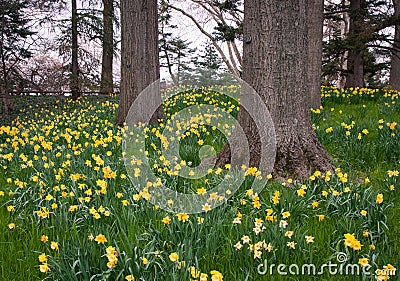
(68, 210)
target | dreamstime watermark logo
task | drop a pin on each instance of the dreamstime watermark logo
(331, 268)
(145, 169)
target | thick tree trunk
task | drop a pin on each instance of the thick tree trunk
(275, 65)
(315, 19)
(394, 79)
(355, 65)
(74, 83)
(106, 83)
(139, 54)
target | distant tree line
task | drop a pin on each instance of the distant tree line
(361, 43)
(65, 60)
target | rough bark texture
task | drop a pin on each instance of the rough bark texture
(315, 19)
(275, 64)
(355, 65)
(74, 83)
(394, 79)
(139, 55)
(106, 83)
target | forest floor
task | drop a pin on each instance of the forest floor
(71, 210)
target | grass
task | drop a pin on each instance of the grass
(63, 181)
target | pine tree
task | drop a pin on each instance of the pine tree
(175, 53)
(14, 30)
(208, 67)
(356, 40)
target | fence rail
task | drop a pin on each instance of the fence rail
(16, 94)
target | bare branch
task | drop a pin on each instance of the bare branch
(213, 41)
(237, 53)
(231, 55)
(219, 18)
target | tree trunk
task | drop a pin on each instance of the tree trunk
(4, 81)
(106, 83)
(6, 101)
(74, 83)
(355, 65)
(344, 32)
(139, 55)
(394, 79)
(315, 19)
(275, 65)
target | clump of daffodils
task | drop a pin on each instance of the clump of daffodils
(112, 256)
(352, 242)
(44, 267)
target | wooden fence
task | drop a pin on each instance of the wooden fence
(17, 94)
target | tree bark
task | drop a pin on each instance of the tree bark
(355, 65)
(106, 83)
(315, 19)
(74, 83)
(139, 55)
(394, 79)
(275, 65)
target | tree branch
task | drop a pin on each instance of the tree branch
(217, 14)
(213, 41)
